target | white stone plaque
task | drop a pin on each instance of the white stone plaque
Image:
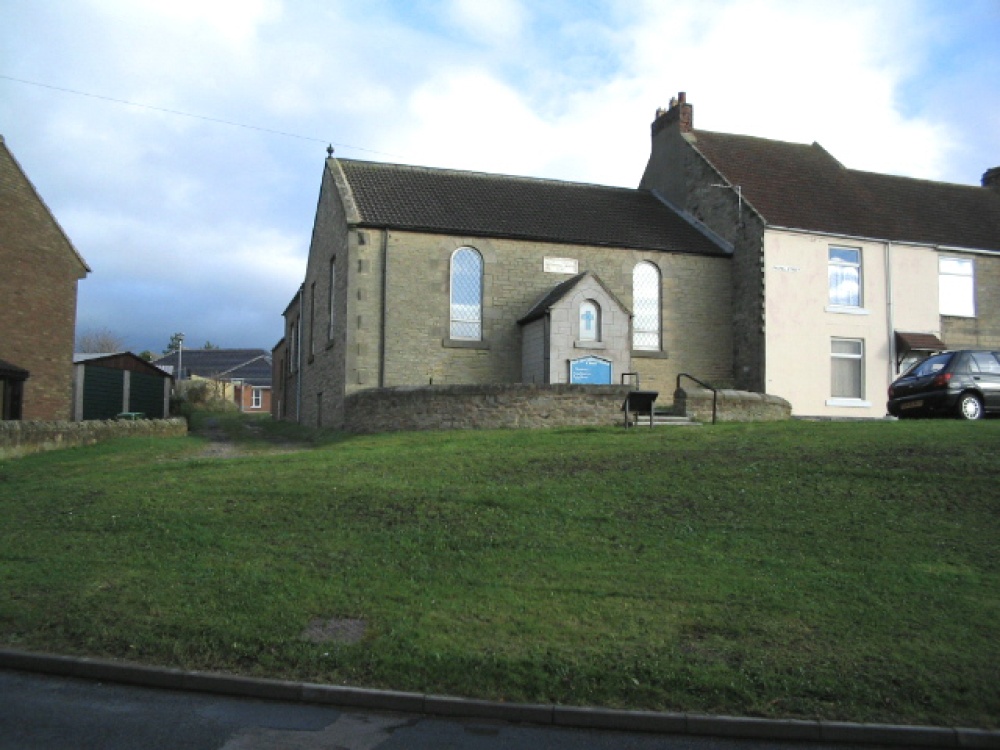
(561, 265)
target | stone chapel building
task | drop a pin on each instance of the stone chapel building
(751, 264)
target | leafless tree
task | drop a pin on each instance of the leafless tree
(99, 341)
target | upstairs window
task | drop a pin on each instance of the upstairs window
(590, 321)
(466, 294)
(845, 277)
(646, 306)
(956, 287)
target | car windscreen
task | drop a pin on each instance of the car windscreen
(929, 366)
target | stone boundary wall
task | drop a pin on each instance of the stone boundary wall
(732, 406)
(20, 438)
(452, 407)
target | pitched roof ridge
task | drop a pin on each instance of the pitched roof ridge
(742, 136)
(52, 216)
(911, 179)
(265, 357)
(488, 175)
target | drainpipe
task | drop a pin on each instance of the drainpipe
(889, 311)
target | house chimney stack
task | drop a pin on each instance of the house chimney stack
(991, 179)
(680, 112)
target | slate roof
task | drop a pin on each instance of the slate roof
(802, 186)
(489, 205)
(560, 290)
(120, 361)
(251, 365)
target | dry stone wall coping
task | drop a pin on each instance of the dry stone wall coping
(20, 438)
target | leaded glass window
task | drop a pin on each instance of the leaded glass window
(466, 294)
(646, 306)
(590, 321)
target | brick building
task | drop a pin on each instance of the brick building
(239, 376)
(754, 264)
(38, 290)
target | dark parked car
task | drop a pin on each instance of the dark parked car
(965, 384)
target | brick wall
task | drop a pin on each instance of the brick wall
(38, 287)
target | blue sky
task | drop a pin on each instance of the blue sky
(193, 225)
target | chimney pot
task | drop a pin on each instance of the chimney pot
(680, 112)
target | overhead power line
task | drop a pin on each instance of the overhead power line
(206, 118)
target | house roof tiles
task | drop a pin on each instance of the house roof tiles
(803, 187)
(251, 365)
(489, 205)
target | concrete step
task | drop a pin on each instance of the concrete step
(663, 420)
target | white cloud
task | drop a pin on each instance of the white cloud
(167, 208)
(493, 22)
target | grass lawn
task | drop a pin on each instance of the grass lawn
(816, 570)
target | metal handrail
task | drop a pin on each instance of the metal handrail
(631, 375)
(703, 384)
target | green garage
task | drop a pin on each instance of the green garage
(107, 386)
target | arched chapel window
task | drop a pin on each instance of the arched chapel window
(646, 306)
(466, 294)
(590, 321)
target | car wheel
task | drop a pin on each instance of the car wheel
(969, 406)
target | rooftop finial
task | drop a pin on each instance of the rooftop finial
(329, 151)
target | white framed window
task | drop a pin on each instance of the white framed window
(845, 277)
(646, 306)
(466, 294)
(256, 398)
(957, 287)
(590, 321)
(847, 373)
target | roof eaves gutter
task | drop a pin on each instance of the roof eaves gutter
(453, 232)
(883, 240)
(725, 245)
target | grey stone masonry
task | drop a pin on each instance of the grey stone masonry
(483, 407)
(731, 406)
(20, 438)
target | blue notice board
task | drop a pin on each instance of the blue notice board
(590, 370)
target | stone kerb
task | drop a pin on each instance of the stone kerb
(20, 438)
(731, 406)
(452, 407)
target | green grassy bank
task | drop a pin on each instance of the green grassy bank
(818, 570)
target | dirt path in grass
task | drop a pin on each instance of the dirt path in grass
(222, 445)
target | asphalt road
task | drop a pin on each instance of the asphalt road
(39, 712)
